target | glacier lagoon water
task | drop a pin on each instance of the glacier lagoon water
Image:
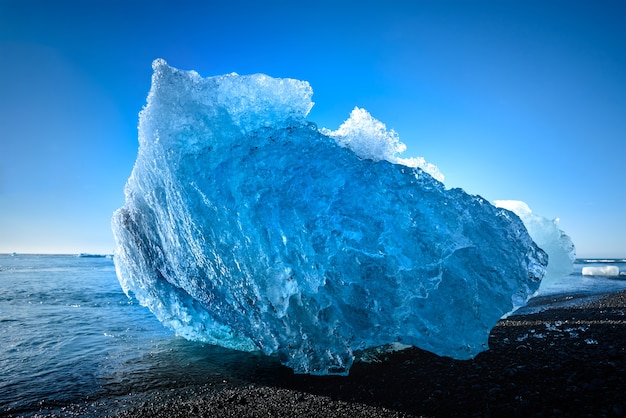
(68, 334)
(248, 227)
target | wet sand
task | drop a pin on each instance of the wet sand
(569, 360)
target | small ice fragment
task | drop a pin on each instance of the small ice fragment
(609, 271)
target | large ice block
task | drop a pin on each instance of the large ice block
(247, 227)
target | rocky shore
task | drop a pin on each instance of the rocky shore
(568, 360)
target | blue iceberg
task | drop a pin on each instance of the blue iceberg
(248, 227)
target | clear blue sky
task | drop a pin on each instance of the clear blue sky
(510, 99)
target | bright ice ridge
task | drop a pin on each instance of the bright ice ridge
(246, 226)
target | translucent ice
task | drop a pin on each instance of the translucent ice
(247, 227)
(549, 237)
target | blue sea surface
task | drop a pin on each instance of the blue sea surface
(576, 283)
(69, 334)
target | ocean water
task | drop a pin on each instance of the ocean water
(576, 283)
(68, 334)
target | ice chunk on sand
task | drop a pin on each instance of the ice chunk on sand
(245, 226)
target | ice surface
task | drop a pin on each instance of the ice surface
(609, 271)
(549, 237)
(245, 226)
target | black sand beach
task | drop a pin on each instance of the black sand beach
(565, 361)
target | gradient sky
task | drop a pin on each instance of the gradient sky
(510, 99)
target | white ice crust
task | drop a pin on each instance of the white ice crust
(370, 139)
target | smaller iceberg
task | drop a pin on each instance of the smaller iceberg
(608, 271)
(549, 237)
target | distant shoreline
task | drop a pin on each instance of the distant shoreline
(58, 254)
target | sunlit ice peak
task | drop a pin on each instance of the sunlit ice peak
(370, 139)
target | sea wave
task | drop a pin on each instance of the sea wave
(600, 260)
